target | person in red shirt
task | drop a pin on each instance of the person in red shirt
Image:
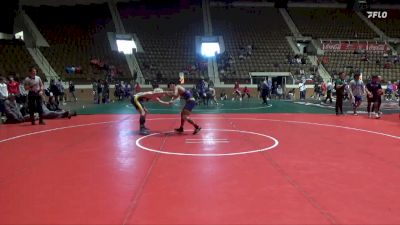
(236, 92)
(324, 88)
(236, 87)
(13, 86)
(245, 92)
(395, 87)
(137, 88)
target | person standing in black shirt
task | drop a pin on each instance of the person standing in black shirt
(264, 91)
(55, 90)
(340, 84)
(374, 92)
(71, 89)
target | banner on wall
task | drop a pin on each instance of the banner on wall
(355, 45)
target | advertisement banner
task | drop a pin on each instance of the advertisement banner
(382, 47)
(352, 46)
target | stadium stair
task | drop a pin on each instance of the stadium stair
(130, 59)
(43, 64)
(37, 40)
(289, 22)
(372, 26)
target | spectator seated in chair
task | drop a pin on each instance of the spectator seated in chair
(211, 96)
(246, 92)
(13, 111)
(223, 96)
(52, 105)
(48, 113)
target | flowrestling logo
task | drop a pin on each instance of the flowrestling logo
(377, 14)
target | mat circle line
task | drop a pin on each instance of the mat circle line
(276, 143)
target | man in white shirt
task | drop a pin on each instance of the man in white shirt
(357, 90)
(35, 86)
(279, 91)
(303, 89)
(3, 94)
(329, 89)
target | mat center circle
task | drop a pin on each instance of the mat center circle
(209, 142)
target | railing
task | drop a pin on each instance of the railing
(46, 65)
(46, 68)
(27, 26)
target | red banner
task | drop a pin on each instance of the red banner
(378, 47)
(352, 46)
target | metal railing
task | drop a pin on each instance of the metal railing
(45, 64)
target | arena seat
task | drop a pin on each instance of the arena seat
(77, 34)
(167, 37)
(16, 60)
(330, 23)
(348, 61)
(390, 25)
(265, 29)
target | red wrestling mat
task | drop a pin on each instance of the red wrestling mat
(240, 169)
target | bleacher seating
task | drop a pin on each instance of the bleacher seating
(77, 34)
(348, 61)
(167, 37)
(265, 29)
(16, 60)
(330, 23)
(390, 25)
